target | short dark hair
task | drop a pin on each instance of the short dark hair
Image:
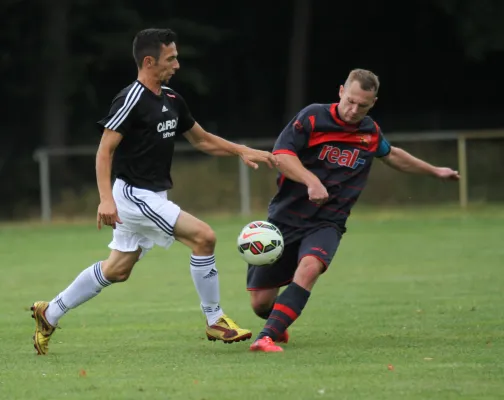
(148, 43)
(368, 81)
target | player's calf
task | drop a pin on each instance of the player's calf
(287, 309)
(88, 284)
(291, 302)
(262, 302)
(200, 238)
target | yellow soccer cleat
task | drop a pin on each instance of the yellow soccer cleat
(225, 329)
(43, 329)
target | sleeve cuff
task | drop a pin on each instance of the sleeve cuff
(284, 151)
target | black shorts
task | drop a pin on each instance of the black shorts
(320, 242)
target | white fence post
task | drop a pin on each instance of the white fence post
(244, 183)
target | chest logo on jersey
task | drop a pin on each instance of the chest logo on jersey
(365, 140)
(345, 158)
(168, 127)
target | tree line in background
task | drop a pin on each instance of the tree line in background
(245, 70)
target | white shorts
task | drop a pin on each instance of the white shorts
(148, 218)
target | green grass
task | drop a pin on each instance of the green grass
(411, 308)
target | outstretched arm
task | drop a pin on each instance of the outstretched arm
(211, 144)
(217, 146)
(401, 160)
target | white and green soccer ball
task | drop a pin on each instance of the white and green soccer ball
(260, 243)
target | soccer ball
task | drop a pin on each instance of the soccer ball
(260, 243)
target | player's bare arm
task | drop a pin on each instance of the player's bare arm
(107, 210)
(293, 169)
(401, 160)
(217, 146)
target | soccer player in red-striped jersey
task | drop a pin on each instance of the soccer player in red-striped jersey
(325, 155)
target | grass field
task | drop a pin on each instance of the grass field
(411, 308)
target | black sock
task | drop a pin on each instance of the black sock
(286, 310)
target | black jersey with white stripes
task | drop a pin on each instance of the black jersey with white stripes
(149, 124)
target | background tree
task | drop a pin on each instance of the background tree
(298, 58)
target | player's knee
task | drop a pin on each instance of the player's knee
(205, 239)
(261, 308)
(114, 273)
(262, 304)
(121, 276)
(118, 269)
(308, 271)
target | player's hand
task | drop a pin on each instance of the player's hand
(251, 157)
(317, 193)
(446, 173)
(107, 213)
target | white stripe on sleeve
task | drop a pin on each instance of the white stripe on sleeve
(131, 99)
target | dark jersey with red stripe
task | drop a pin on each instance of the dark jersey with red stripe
(339, 154)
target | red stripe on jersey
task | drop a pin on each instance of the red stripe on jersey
(284, 151)
(364, 141)
(312, 122)
(281, 180)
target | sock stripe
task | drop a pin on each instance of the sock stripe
(275, 317)
(202, 258)
(272, 328)
(99, 275)
(202, 265)
(61, 305)
(205, 262)
(286, 310)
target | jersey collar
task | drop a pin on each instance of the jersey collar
(334, 113)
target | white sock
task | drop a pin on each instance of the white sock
(206, 279)
(87, 285)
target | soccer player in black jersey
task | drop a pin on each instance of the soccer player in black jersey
(325, 155)
(137, 147)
